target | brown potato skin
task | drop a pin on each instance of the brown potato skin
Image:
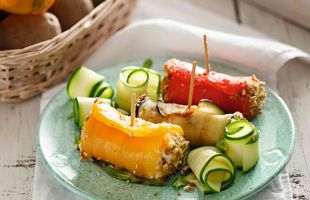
(19, 31)
(69, 12)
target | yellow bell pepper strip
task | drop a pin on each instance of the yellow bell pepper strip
(148, 150)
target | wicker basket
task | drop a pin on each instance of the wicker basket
(27, 72)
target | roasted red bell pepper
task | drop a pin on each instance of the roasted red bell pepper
(231, 93)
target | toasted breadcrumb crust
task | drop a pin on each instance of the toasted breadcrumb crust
(172, 156)
(256, 94)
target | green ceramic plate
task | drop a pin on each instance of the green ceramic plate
(55, 144)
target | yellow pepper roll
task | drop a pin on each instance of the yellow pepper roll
(148, 150)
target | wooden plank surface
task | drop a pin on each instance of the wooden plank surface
(278, 28)
(263, 21)
(294, 88)
(17, 146)
(298, 37)
(223, 7)
(148, 9)
(295, 11)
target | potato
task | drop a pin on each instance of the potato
(97, 2)
(70, 12)
(19, 31)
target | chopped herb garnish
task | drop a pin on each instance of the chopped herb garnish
(179, 182)
(77, 140)
(70, 115)
(125, 175)
(122, 175)
(148, 63)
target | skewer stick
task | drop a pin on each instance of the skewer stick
(206, 54)
(133, 109)
(191, 86)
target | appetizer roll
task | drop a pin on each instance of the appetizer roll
(202, 125)
(148, 150)
(243, 94)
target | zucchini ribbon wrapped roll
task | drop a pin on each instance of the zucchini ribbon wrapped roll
(148, 150)
(202, 125)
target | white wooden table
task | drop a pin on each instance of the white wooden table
(18, 121)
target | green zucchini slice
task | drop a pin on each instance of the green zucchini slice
(153, 87)
(136, 80)
(241, 144)
(238, 130)
(251, 153)
(83, 82)
(191, 178)
(131, 80)
(211, 167)
(210, 107)
(82, 107)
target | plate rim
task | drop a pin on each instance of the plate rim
(87, 195)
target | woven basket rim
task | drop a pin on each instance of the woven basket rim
(11, 53)
(27, 72)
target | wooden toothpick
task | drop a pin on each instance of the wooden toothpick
(205, 44)
(191, 86)
(133, 109)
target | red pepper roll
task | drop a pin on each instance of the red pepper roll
(231, 93)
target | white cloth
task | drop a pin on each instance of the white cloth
(160, 37)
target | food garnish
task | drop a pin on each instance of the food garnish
(86, 83)
(241, 144)
(148, 63)
(137, 80)
(212, 168)
(82, 107)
